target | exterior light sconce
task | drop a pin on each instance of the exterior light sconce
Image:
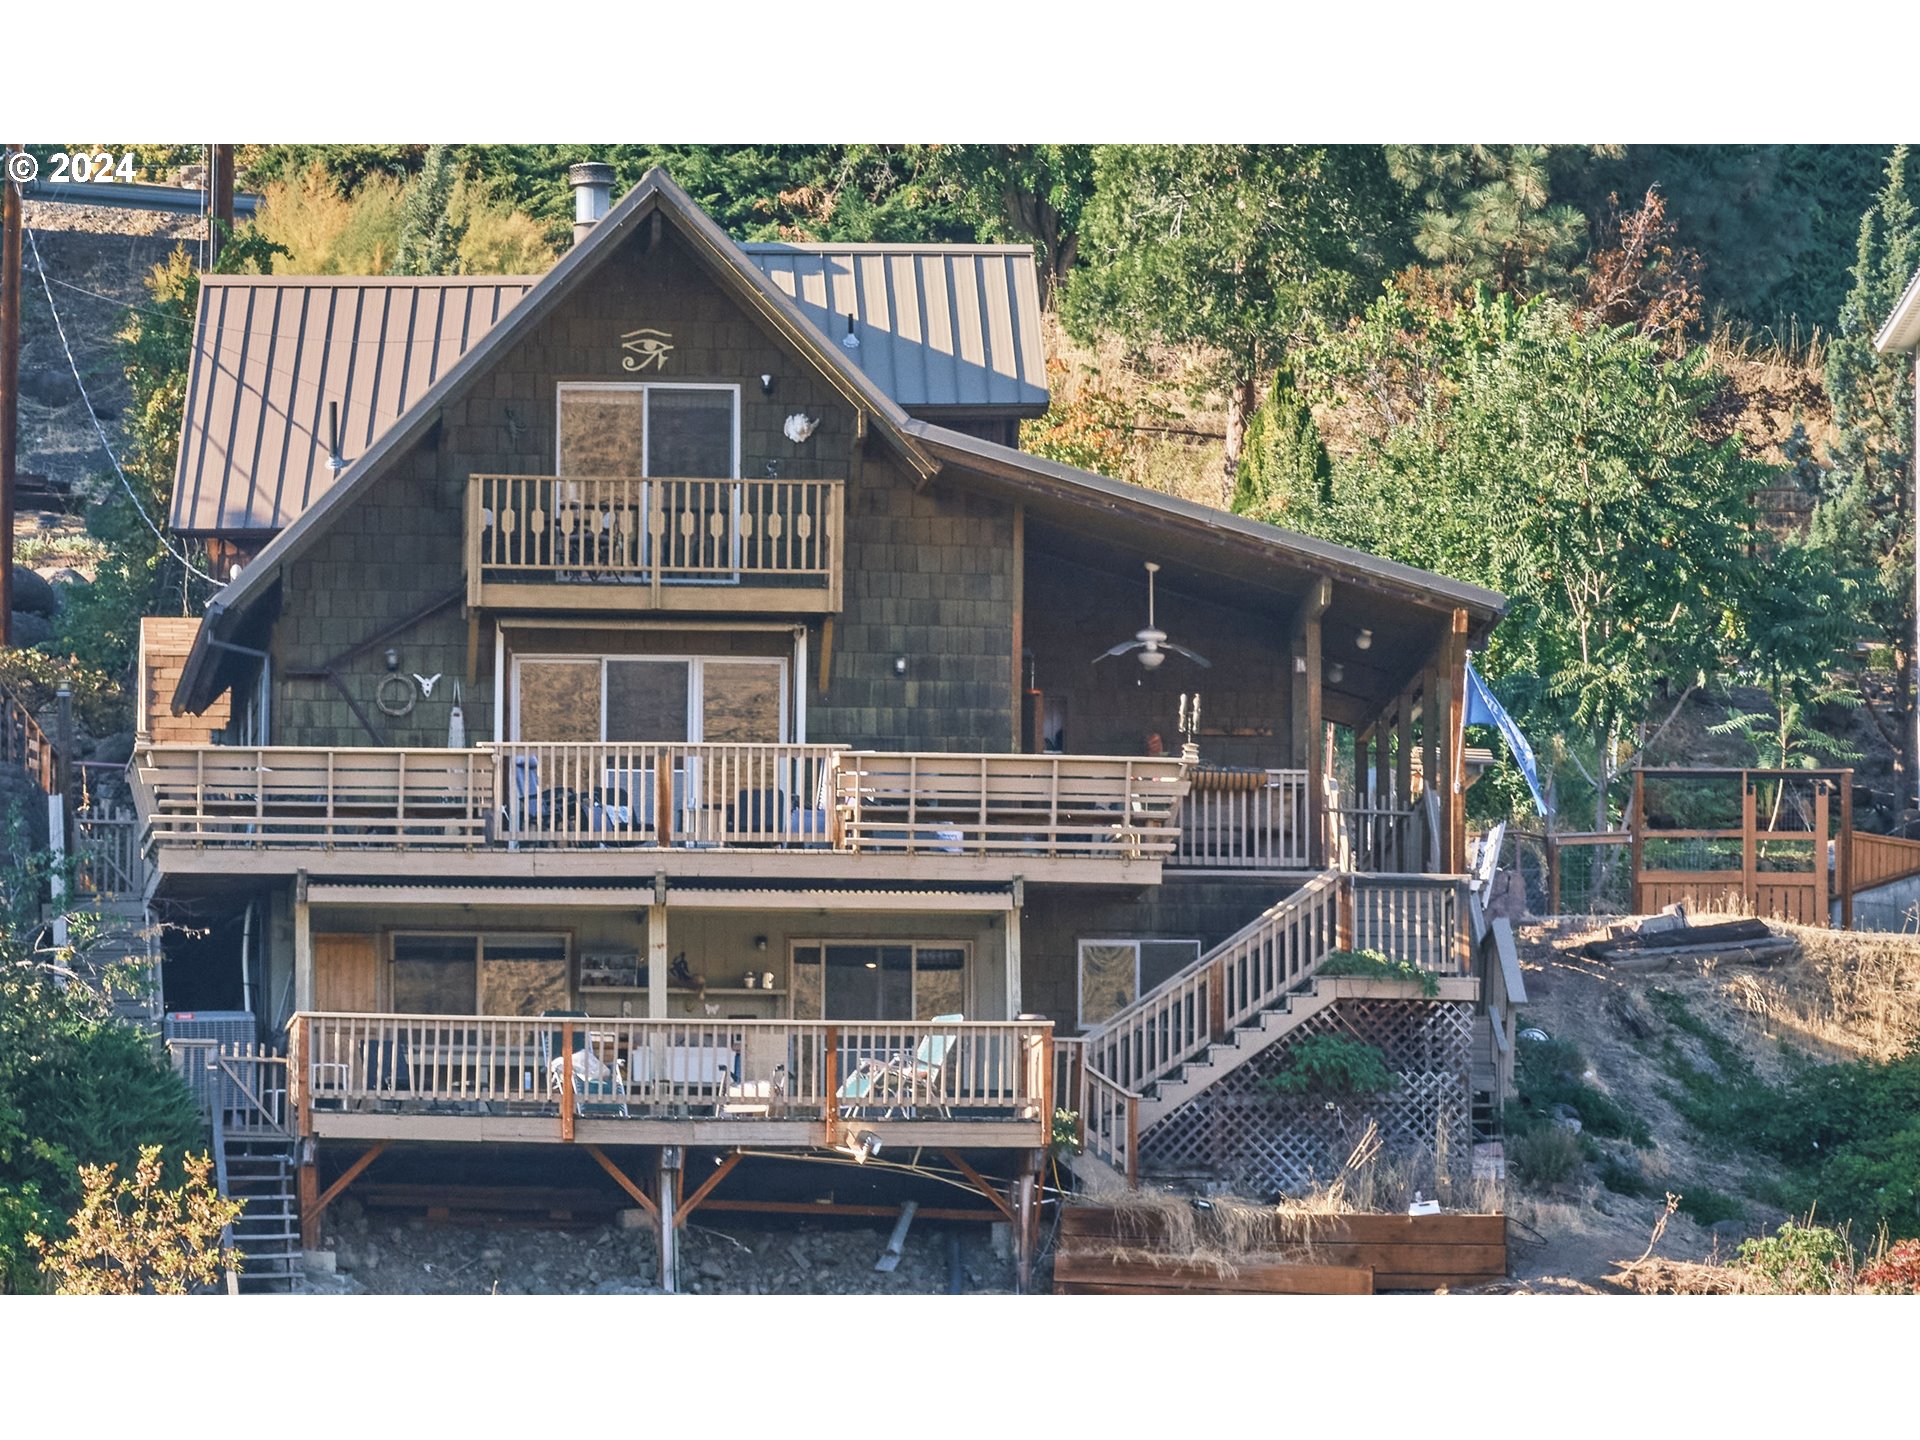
(850, 340)
(766, 384)
(900, 665)
(760, 942)
(1336, 672)
(1364, 640)
(393, 661)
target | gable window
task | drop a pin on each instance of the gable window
(1115, 973)
(688, 432)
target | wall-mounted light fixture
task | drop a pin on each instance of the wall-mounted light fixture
(1364, 640)
(760, 942)
(393, 660)
(850, 340)
(899, 664)
(1336, 672)
(766, 384)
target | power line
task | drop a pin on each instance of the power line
(60, 328)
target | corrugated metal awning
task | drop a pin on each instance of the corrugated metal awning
(971, 900)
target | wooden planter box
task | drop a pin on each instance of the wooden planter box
(1345, 1255)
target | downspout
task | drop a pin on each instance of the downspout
(246, 959)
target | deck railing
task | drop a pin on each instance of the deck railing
(1244, 820)
(24, 743)
(1418, 918)
(706, 796)
(675, 1069)
(107, 852)
(1378, 838)
(654, 531)
(1054, 805)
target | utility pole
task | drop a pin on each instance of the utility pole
(9, 384)
(219, 201)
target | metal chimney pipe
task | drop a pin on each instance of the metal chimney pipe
(592, 184)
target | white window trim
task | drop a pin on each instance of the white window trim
(646, 409)
(696, 686)
(1136, 941)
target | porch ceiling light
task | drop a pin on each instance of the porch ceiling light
(1364, 640)
(1336, 672)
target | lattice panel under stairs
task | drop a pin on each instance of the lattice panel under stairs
(1259, 1141)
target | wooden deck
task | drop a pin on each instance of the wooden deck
(795, 1084)
(1108, 819)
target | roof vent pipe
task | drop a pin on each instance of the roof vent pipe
(592, 184)
(335, 460)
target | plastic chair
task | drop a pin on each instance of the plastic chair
(592, 1076)
(901, 1082)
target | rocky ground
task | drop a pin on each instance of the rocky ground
(383, 1253)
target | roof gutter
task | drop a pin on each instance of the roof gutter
(1902, 330)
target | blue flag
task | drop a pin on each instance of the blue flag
(1483, 709)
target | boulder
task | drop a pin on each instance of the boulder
(30, 629)
(33, 594)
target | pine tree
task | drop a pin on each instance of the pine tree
(1866, 514)
(1284, 465)
(429, 235)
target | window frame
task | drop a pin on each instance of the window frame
(564, 387)
(391, 937)
(1080, 945)
(696, 690)
(821, 942)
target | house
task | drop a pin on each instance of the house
(1900, 335)
(666, 715)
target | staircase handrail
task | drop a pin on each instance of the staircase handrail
(260, 1061)
(1179, 1018)
(1110, 1122)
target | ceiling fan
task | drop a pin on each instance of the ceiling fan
(1152, 643)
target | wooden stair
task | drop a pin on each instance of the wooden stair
(259, 1169)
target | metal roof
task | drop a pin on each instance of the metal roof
(1902, 330)
(946, 326)
(270, 353)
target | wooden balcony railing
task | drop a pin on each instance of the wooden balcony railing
(932, 804)
(24, 743)
(543, 530)
(107, 853)
(802, 1070)
(811, 797)
(1244, 820)
(1418, 918)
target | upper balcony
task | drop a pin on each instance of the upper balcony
(542, 542)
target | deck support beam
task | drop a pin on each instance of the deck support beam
(621, 1178)
(310, 1213)
(706, 1188)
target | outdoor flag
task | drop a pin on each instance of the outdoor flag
(1483, 709)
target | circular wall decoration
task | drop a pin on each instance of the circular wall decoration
(395, 695)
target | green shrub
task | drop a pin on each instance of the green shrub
(1799, 1259)
(1548, 1073)
(1333, 1065)
(1544, 1156)
(1374, 965)
(1621, 1178)
(1708, 1206)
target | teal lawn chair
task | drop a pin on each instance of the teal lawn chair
(901, 1083)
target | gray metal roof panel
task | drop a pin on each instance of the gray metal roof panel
(270, 353)
(940, 326)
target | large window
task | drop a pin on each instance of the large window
(479, 974)
(1115, 973)
(878, 979)
(637, 699)
(689, 432)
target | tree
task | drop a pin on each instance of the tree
(1228, 248)
(1284, 459)
(1489, 216)
(1866, 514)
(1566, 468)
(1640, 274)
(134, 1237)
(429, 233)
(1029, 192)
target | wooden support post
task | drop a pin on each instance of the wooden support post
(830, 1063)
(1553, 869)
(1843, 859)
(302, 946)
(1431, 722)
(669, 1191)
(566, 1081)
(1026, 1231)
(826, 655)
(1013, 948)
(1343, 914)
(310, 1213)
(1637, 839)
(706, 1188)
(657, 961)
(1403, 754)
(1455, 711)
(1312, 609)
(307, 1193)
(1389, 829)
(1821, 875)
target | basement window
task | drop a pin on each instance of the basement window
(1115, 973)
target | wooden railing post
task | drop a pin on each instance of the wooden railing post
(830, 1066)
(1343, 917)
(567, 1080)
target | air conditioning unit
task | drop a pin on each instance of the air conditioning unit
(193, 1037)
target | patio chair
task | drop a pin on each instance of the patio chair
(901, 1082)
(592, 1076)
